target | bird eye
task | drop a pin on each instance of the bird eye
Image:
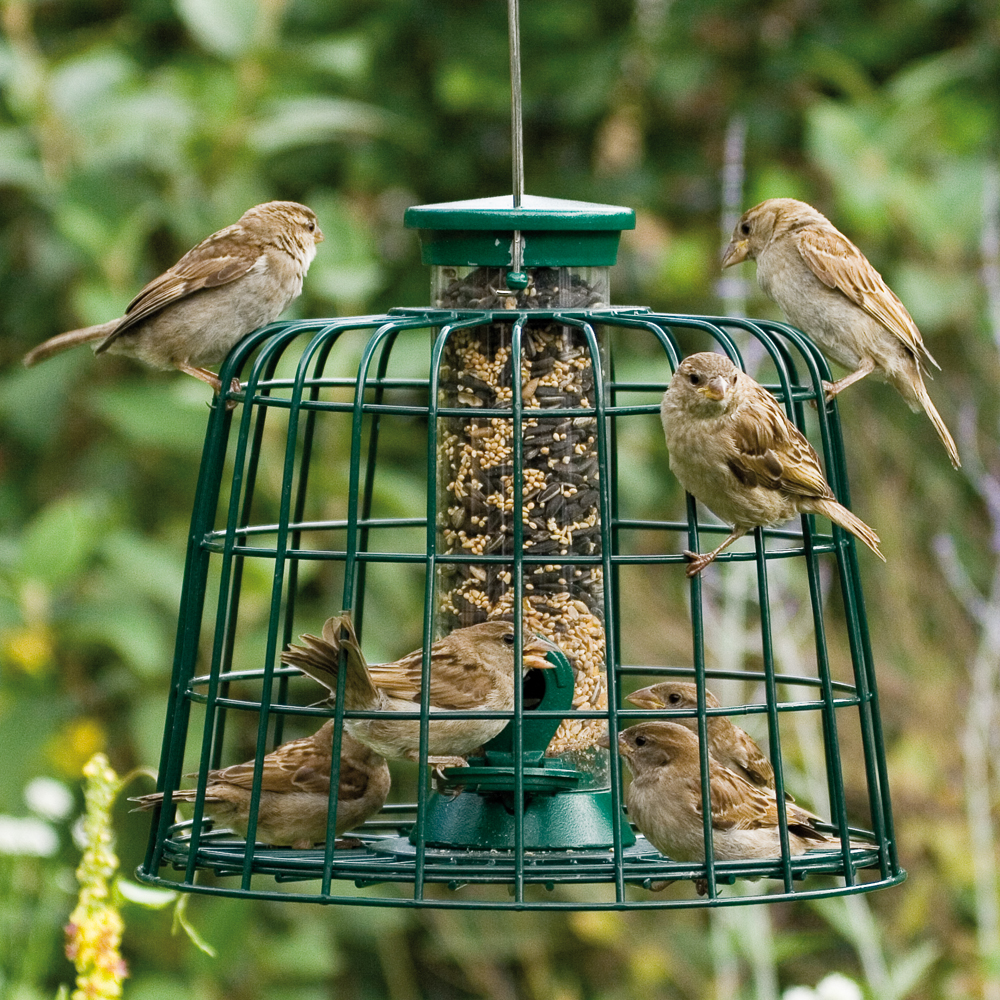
(312, 227)
(640, 741)
(695, 378)
(745, 229)
(675, 699)
(508, 638)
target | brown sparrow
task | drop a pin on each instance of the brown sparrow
(472, 668)
(231, 283)
(295, 790)
(728, 744)
(664, 801)
(826, 286)
(733, 448)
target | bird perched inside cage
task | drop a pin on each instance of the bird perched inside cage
(733, 448)
(826, 286)
(472, 668)
(728, 744)
(295, 790)
(664, 801)
(231, 283)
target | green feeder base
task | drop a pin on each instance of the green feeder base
(558, 813)
(580, 819)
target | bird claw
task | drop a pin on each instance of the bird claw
(347, 844)
(830, 391)
(698, 560)
(444, 785)
(234, 386)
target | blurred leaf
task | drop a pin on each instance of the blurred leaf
(345, 56)
(154, 415)
(303, 121)
(308, 953)
(131, 628)
(33, 401)
(225, 27)
(149, 896)
(58, 542)
(181, 921)
(19, 165)
(911, 968)
(146, 565)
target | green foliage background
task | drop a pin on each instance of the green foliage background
(130, 129)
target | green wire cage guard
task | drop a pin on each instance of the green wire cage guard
(520, 503)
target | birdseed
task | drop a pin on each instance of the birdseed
(559, 482)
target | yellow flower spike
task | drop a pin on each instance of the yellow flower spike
(94, 932)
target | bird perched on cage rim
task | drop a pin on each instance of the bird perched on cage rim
(472, 668)
(192, 315)
(827, 287)
(732, 448)
(295, 790)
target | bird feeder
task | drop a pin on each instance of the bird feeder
(503, 395)
(502, 403)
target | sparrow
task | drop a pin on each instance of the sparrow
(732, 448)
(295, 790)
(472, 668)
(728, 744)
(231, 283)
(664, 801)
(827, 287)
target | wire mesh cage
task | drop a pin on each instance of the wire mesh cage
(516, 403)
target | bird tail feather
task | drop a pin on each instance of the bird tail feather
(64, 341)
(850, 522)
(320, 659)
(931, 410)
(154, 799)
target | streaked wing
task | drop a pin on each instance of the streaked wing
(839, 264)
(296, 766)
(736, 804)
(459, 679)
(772, 452)
(199, 268)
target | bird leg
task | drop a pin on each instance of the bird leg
(210, 378)
(699, 560)
(832, 389)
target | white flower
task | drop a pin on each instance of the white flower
(28, 836)
(838, 987)
(48, 798)
(832, 987)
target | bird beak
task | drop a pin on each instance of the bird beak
(644, 698)
(535, 651)
(715, 389)
(318, 236)
(604, 740)
(735, 253)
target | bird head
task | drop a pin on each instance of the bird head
(705, 379)
(670, 694)
(655, 744)
(760, 224)
(276, 215)
(534, 648)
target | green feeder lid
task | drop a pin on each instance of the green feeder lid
(556, 232)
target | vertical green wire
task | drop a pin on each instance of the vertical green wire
(518, 575)
(191, 610)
